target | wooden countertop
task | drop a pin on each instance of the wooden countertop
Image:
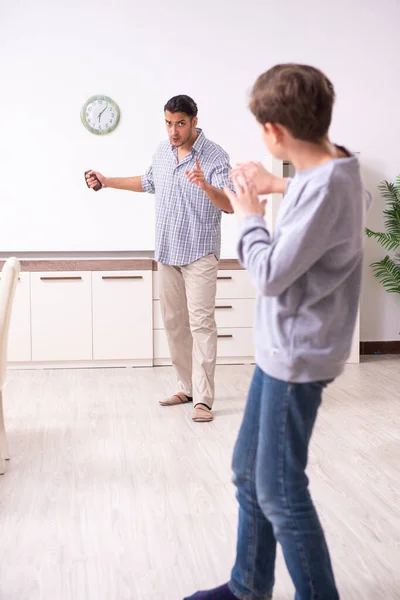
(105, 264)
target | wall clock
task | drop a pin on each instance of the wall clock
(100, 115)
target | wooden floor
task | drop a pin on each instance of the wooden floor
(110, 497)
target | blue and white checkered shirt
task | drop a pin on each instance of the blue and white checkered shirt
(188, 224)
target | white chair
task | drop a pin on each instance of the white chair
(9, 278)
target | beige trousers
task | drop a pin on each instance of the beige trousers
(187, 301)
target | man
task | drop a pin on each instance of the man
(187, 175)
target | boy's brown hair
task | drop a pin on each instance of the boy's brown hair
(298, 97)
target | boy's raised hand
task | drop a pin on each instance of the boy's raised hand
(265, 182)
(245, 202)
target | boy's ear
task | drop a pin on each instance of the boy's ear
(275, 130)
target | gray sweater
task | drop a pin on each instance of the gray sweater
(308, 277)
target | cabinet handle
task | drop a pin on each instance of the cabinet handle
(224, 278)
(61, 278)
(227, 306)
(110, 277)
(225, 335)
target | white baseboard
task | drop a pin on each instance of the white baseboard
(236, 360)
(91, 364)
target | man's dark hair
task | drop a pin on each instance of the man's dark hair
(183, 104)
(298, 97)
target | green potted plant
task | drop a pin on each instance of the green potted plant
(387, 270)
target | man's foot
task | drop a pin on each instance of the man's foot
(221, 593)
(202, 414)
(178, 398)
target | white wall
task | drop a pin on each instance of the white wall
(56, 55)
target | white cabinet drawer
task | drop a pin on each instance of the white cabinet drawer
(235, 342)
(232, 312)
(234, 284)
(230, 284)
(19, 341)
(237, 312)
(232, 342)
(61, 305)
(122, 315)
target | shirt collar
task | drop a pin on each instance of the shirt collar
(200, 141)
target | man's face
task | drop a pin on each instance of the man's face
(180, 128)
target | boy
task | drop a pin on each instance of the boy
(308, 282)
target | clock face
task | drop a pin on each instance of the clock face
(100, 115)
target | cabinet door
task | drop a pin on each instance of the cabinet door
(122, 315)
(61, 305)
(19, 340)
(355, 347)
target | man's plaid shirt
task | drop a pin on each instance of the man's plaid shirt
(188, 225)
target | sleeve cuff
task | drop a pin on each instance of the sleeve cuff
(146, 185)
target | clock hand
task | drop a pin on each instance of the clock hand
(103, 111)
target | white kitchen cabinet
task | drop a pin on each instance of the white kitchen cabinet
(61, 311)
(19, 341)
(230, 312)
(122, 315)
(230, 284)
(113, 316)
(234, 284)
(160, 348)
(234, 314)
(234, 345)
(355, 347)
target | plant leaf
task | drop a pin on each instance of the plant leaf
(390, 192)
(389, 241)
(388, 273)
(392, 220)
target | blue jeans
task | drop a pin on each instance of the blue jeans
(269, 464)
